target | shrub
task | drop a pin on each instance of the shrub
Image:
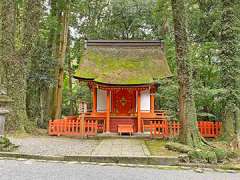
(197, 155)
(211, 157)
(220, 153)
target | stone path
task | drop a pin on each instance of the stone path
(59, 146)
(122, 147)
(55, 145)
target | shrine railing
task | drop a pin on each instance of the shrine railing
(158, 127)
(74, 126)
(164, 128)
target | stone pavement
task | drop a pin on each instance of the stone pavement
(122, 147)
(60, 146)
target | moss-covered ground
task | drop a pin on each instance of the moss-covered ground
(157, 148)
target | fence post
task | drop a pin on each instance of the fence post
(82, 125)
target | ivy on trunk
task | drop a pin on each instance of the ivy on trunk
(189, 133)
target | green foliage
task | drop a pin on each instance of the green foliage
(41, 67)
(198, 155)
(81, 92)
(220, 153)
(211, 157)
(6, 145)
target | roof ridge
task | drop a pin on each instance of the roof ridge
(123, 43)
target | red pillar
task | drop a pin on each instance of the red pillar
(151, 103)
(139, 111)
(94, 99)
(108, 112)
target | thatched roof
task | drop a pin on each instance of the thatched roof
(123, 62)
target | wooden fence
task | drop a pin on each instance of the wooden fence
(165, 128)
(72, 127)
(209, 129)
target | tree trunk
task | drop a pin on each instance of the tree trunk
(61, 53)
(230, 73)
(70, 76)
(32, 15)
(15, 69)
(189, 133)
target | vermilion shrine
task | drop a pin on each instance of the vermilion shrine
(123, 77)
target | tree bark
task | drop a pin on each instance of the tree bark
(70, 76)
(14, 67)
(230, 73)
(32, 15)
(61, 53)
(189, 133)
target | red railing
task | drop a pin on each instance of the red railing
(64, 127)
(209, 129)
(165, 128)
(90, 127)
(72, 126)
(159, 128)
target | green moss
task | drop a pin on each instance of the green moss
(157, 148)
(178, 147)
(197, 155)
(211, 157)
(6, 145)
(123, 66)
(220, 153)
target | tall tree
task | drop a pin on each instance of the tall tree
(62, 41)
(189, 133)
(31, 24)
(14, 67)
(16, 49)
(230, 73)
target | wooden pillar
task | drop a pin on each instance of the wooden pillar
(108, 112)
(94, 99)
(151, 103)
(139, 111)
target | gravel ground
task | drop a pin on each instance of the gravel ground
(35, 170)
(70, 146)
(55, 145)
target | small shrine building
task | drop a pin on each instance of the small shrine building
(123, 76)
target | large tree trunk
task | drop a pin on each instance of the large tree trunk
(32, 15)
(14, 67)
(48, 91)
(61, 53)
(189, 133)
(230, 73)
(15, 61)
(70, 76)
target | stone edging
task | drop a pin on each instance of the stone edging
(147, 160)
(166, 161)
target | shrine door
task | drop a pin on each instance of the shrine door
(123, 101)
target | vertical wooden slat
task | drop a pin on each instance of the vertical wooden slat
(139, 111)
(108, 112)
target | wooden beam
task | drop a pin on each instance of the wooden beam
(108, 112)
(152, 103)
(94, 99)
(139, 111)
